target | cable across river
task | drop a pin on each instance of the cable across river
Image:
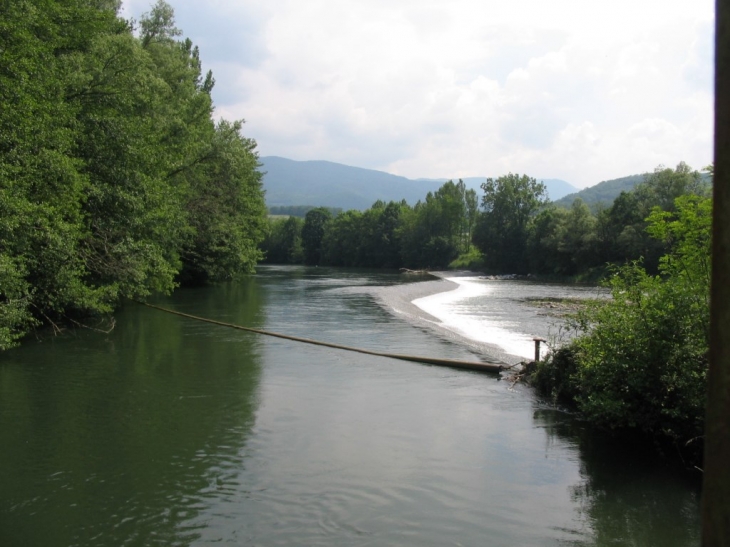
(451, 363)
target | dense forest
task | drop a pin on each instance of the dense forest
(510, 228)
(115, 182)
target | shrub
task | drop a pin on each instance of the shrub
(642, 358)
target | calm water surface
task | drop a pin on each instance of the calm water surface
(173, 432)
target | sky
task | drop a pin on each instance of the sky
(579, 90)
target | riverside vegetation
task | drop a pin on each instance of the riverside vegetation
(640, 359)
(115, 182)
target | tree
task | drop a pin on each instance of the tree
(342, 239)
(112, 173)
(450, 205)
(283, 241)
(388, 224)
(577, 238)
(471, 211)
(42, 188)
(544, 254)
(429, 233)
(642, 357)
(509, 204)
(134, 217)
(665, 185)
(312, 233)
(226, 209)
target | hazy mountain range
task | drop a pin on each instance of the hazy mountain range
(603, 192)
(328, 184)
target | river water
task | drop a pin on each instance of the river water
(169, 431)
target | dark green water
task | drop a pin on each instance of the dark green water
(173, 432)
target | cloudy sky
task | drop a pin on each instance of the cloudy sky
(581, 90)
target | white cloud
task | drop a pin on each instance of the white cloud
(572, 89)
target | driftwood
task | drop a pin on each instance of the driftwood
(407, 271)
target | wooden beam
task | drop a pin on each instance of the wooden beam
(716, 480)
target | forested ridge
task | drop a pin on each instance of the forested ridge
(115, 181)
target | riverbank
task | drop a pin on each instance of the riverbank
(406, 301)
(495, 318)
(399, 298)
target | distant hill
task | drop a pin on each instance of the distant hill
(328, 184)
(603, 192)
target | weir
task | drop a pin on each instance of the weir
(450, 363)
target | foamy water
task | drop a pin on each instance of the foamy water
(460, 311)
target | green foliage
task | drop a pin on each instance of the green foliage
(470, 260)
(342, 239)
(15, 315)
(387, 235)
(557, 377)
(42, 187)
(283, 241)
(113, 175)
(603, 193)
(509, 205)
(312, 234)
(367, 239)
(577, 241)
(226, 209)
(623, 231)
(436, 230)
(642, 358)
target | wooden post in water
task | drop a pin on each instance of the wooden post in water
(537, 340)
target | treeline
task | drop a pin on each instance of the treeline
(298, 210)
(388, 235)
(115, 181)
(510, 228)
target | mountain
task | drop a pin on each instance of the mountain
(608, 190)
(603, 192)
(328, 184)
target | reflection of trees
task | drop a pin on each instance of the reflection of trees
(122, 439)
(628, 495)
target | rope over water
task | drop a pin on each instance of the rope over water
(452, 363)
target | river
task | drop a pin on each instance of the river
(169, 431)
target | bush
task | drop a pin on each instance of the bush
(472, 260)
(642, 358)
(556, 377)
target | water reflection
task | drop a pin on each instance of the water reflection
(123, 439)
(174, 432)
(628, 495)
